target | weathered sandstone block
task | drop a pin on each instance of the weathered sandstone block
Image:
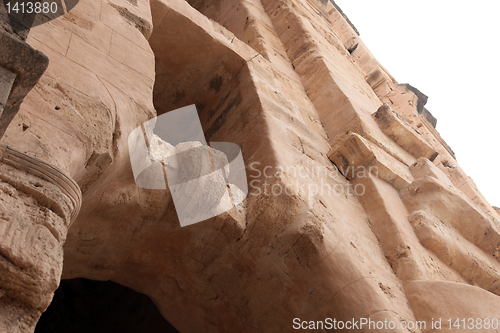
(382, 233)
(453, 208)
(38, 204)
(395, 127)
(456, 252)
(356, 157)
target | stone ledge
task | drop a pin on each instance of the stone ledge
(399, 130)
(456, 252)
(366, 126)
(356, 152)
(423, 167)
(453, 208)
(389, 221)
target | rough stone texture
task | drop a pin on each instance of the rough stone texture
(20, 67)
(448, 300)
(296, 91)
(405, 135)
(38, 203)
(7, 79)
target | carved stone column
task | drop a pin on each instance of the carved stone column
(38, 202)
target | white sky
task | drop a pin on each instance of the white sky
(449, 50)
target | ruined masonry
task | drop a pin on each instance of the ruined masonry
(292, 84)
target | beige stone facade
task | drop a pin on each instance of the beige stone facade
(356, 208)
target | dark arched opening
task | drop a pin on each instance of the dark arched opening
(87, 306)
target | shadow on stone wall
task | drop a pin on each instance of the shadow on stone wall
(86, 306)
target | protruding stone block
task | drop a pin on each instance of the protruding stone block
(378, 77)
(389, 221)
(453, 208)
(455, 251)
(423, 167)
(357, 155)
(398, 129)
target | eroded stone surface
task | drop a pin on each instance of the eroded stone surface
(295, 90)
(446, 300)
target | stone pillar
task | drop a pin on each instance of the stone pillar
(38, 202)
